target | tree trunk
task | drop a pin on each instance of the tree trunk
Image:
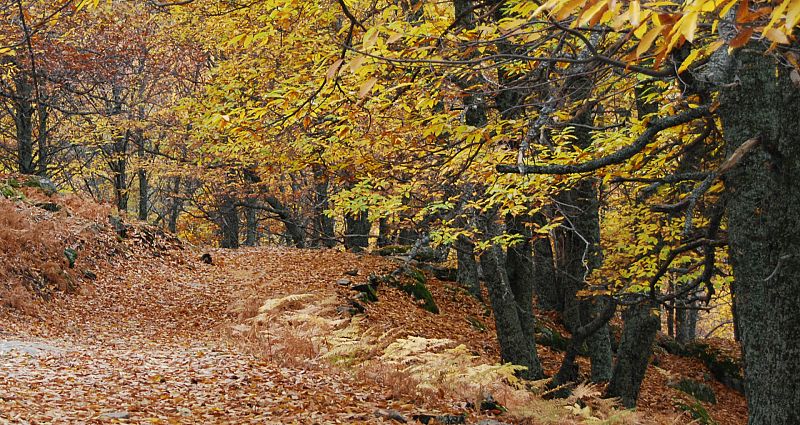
(357, 227)
(144, 189)
(517, 346)
(294, 228)
(549, 294)
(764, 232)
(252, 234)
(229, 223)
(175, 205)
(579, 253)
(323, 223)
(635, 348)
(118, 163)
(43, 160)
(467, 266)
(685, 320)
(23, 120)
(519, 269)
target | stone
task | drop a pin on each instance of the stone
(391, 414)
(72, 256)
(696, 389)
(116, 415)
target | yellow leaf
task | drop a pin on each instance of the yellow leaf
(587, 16)
(357, 63)
(792, 15)
(777, 36)
(635, 13)
(688, 61)
(567, 9)
(647, 40)
(640, 32)
(394, 37)
(366, 87)
(370, 38)
(333, 69)
(688, 25)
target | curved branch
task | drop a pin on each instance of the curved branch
(622, 155)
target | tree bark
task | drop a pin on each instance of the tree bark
(229, 223)
(467, 266)
(323, 223)
(764, 232)
(635, 348)
(23, 120)
(357, 227)
(517, 346)
(144, 187)
(519, 268)
(252, 234)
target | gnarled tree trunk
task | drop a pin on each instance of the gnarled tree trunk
(764, 232)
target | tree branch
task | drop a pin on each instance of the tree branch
(617, 157)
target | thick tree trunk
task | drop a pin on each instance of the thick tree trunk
(579, 253)
(294, 228)
(549, 293)
(685, 320)
(229, 223)
(764, 232)
(635, 348)
(519, 268)
(467, 266)
(357, 227)
(384, 233)
(252, 235)
(43, 160)
(517, 345)
(118, 163)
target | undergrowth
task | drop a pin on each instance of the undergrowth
(305, 328)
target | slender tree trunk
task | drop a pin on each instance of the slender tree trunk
(764, 231)
(23, 120)
(324, 223)
(144, 188)
(43, 160)
(633, 356)
(174, 206)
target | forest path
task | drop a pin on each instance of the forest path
(148, 345)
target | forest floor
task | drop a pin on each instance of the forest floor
(157, 336)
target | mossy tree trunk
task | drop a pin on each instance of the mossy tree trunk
(635, 348)
(764, 232)
(516, 340)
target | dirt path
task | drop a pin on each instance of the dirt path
(147, 346)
